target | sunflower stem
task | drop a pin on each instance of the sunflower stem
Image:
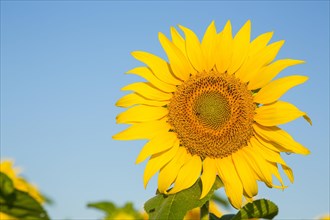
(205, 211)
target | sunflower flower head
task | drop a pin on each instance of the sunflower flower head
(7, 168)
(212, 109)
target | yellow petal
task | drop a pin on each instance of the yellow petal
(260, 43)
(178, 40)
(188, 174)
(194, 50)
(278, 113)
(141, 113)
(275, 89)
(260, 141)
(146, 130)
(225, 49)
(214, 209)
(245, 173)
(267, 73)
(269, 53)
(208, 175)
(158, 66)
(282, 138)
(258, 164)
(135, 99)
(148, 91)
(274, 170)
(248, 199)
(231, 181)
(179, 64)
(147, 74)
(209, 45)
(288, 172)
(241, 45)
(180, 43)
(161, 142)
(251, 69)
(275, 157)
(168, 173)
(157, 161)
(261, 148)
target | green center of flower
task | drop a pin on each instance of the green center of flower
(212, 114)
(212, 109)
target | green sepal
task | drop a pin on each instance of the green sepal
(175, 206)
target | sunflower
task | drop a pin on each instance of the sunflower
(6, 167)
(212, 109)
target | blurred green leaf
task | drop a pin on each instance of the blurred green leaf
(128, 208)
(105, 206)
(6, 185)
(175, 206)
(17, 203)
(114, 212)
(22, 206)
(47, 199)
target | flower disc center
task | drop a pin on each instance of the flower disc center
(212, 109)
(212, 114)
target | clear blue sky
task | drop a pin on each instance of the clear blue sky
(62, 67)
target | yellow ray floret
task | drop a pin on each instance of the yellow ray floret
(208, 176)
(241, 44)
(141, 113)
(147, 74)
(146, 130)
(209, 46)
(224, 49)
(267, 73)
(278, 113)
(275, 89)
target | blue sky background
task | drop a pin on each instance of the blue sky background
(62, 67)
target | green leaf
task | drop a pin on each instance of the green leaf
(175, 206)
(6, 185)
(261, 208)
(107, 207)
(47, 199)
(22, 206)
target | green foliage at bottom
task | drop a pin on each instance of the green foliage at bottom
(175, 206)
(112, 212)
(17, 203)
(261, 208)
